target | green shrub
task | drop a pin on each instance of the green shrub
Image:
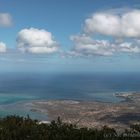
(20, 128)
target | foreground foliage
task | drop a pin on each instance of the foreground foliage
(20, 128)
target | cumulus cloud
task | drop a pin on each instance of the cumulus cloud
(2, 47)
(113, 24)
(120, 33)
(36, 41)
(5, 20)
(86, 45)
(103, 23)
(129, 47)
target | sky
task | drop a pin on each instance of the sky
(74, 35)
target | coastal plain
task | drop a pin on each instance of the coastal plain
(91, 113)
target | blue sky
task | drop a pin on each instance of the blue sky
(76, 45)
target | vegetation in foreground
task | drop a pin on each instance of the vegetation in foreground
(20, 128)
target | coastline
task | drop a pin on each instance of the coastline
(82, 112)
(92, 113)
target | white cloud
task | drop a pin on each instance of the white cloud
(129, 47)
(42, 49)
(103, 23)
(36, 41)
(112, 24)
(2, 47)
(5, 19)
(87, 46)
(121, 31)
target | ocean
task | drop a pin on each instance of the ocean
(16, 87)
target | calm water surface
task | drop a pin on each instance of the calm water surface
(16, 87)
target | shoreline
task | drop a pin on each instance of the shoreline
(92, 113)
(84, 113)
(21, 98)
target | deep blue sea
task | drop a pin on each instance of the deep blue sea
(16, 87)
(83, 86)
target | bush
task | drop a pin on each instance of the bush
(20, 128)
